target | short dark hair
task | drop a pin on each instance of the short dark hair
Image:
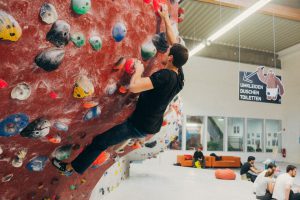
(180, 55)
(250, 158)
(271, 165)
(290, 168)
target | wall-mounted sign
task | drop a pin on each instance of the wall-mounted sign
(260, 87)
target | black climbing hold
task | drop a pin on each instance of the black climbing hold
(50, 59)
(151, 144)
(36, 129)
(59, 34)
(160, 42)
(54, 181)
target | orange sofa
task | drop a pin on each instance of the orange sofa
(187, 160)
(227, 161)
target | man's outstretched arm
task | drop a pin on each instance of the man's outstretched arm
(137, 82)
(164, 14)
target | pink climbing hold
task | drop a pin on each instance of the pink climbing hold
(3, 84)
(129, 66)
(53, 95)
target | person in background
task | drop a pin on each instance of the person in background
(199, 157)
(249, 171)
(264, 183)
(283, 185)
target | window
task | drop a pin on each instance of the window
(274, 128)
(236, 134)
(255, 126)
(215, 133)
(194, 131)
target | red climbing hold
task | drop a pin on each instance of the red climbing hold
(180, 14)
(156, 4)
(136, 145)
(129, 66)
(164, 123)
(123, 90)
(3, 84)
(147, 1)
(53, 95)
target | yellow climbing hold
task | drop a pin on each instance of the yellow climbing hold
(9, 27)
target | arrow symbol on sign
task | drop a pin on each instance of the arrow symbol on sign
(246, 77)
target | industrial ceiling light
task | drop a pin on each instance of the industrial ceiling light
(258, 5)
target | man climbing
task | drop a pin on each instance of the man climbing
(156, 92)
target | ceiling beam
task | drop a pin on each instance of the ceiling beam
(270, 9)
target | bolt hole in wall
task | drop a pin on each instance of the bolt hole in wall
(233, 134)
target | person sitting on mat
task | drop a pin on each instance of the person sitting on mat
(284, 183)
(264, 183)
(199, 157)
(156, 92)
(249, 171)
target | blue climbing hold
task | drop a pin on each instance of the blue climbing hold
(13, 124)
(119, 32)
(92, 113)
(61, 126)
(37, 163)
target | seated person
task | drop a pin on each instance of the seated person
(283, 185)
(249, 171)
(198, 156)
(264, 183)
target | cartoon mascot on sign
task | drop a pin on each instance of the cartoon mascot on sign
(274, 84)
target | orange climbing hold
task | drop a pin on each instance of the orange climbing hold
(102, 158)
(136, 145)
(90, 104)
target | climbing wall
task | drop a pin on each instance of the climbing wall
(64, 70)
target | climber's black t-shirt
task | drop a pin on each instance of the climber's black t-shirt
(150, 108)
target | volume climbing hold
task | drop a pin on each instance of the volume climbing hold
(160, 42)
(3, 84)
(36, 129)
(59, 34)
(83, 87)
(13, 124)
(96, 43)
(48, 13)
(148, 50)
(92, 113)
(119, 31)
(78, 39)
(81, 6)
(37, 163)
(62, 152)
(9, 27)
(50, 59)
(119, 64)
(21, 92)
(129, 66)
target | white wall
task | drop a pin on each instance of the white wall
(211, 89)
(291, 69)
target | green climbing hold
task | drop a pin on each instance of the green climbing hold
(96, 43)
(148, 50)
(78, 39)
(81, 6)
(73, 187)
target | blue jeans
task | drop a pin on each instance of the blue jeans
(102, 141)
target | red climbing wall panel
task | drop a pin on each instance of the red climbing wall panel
(52, 92)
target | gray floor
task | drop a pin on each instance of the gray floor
(151, 181)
